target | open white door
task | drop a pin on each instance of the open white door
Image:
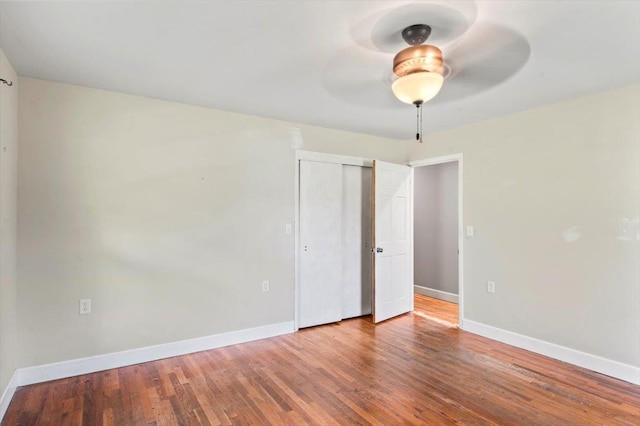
(393, 269)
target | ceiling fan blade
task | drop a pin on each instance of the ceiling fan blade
(361, 77)
(382, 31)
(486, 56)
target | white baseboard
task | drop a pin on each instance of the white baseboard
(438, 294)
(619, 370)
(8, 394)
(75, 367)
(59, 370)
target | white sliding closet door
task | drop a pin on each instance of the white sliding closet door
(320, 260)
(356, 241)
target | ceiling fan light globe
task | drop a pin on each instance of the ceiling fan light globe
(416, 87)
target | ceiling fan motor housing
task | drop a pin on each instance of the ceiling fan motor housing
(419, 58)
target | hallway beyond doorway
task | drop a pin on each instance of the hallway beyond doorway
(436, 310)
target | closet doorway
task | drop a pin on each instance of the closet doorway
(334, 255)
(354, 230)
(438, 238)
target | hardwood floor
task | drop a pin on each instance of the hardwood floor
(407, 370)
(436, 309)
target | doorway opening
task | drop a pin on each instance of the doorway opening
(437, 239)
(334, 256)
(333, 238)
(354, 238)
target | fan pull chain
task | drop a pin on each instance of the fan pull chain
(421, 128)
(419, 121)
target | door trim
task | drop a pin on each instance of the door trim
(449, 159)
(323, 158)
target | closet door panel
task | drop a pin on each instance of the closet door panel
(366, 261)
(356, 241)
(320, 265)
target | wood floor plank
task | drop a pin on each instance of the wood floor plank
(414, 369)
(436, 308)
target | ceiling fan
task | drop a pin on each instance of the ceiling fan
(419, 69)
(466, 57)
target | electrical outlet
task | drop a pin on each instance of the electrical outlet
(491, 286)
(265, 286)
(85, 306)
(287, 228)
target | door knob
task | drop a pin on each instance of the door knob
(379, 250)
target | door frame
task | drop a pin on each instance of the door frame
(323, 158)
(450, 159)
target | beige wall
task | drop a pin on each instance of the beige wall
(435, 227)
(548, 191)
(8, 206)
(167, 216)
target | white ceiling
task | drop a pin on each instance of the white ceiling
(328, 63)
